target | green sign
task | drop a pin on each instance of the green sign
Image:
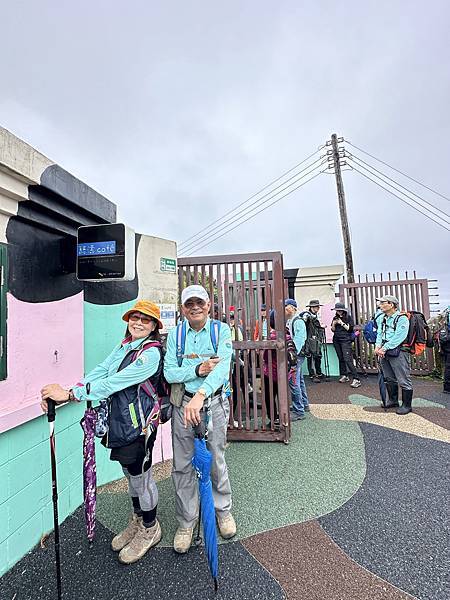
(168, 265)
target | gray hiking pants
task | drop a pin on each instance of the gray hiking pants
(397, 369)
(183, 475)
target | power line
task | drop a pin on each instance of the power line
(185, 246)
(211, 235)
(399, 197)
(359, 160)
(398, 171)
(257, 213)
(253, 196)
(259, 202)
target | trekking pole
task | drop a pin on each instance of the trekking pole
(325, 354)
(51, 420)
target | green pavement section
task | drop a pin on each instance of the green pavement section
(361, 400)
(274, 485)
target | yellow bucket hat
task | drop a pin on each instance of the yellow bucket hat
(146, 308)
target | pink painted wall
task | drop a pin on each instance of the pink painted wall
(35, 331)
(326, 316)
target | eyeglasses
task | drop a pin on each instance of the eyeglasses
(195, 302)
(143, 320)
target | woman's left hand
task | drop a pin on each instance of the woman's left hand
(53, 391)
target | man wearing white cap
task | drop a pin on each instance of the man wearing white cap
(395, 361)
(203, 372)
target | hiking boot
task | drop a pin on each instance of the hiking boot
(183, 539)
(145, 538)
(392, 390)
(405, 408)
(344, 379)
(227, 526)
(355, 383)
(124, 537)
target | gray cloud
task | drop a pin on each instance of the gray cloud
(178, 111)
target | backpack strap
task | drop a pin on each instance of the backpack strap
(214, 330)
(180, 341)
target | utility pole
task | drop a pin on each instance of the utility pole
(334, 158)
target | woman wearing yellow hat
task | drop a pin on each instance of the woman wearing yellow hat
(138, 359)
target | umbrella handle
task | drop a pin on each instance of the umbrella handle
(51, 410)
(88, 391)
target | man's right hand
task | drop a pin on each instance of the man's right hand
(208, 366)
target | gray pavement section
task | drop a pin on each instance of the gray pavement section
(397, 525)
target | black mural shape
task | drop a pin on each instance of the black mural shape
(38, 263)
(67, 186)
(42, 268)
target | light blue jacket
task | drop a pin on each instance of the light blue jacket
(199, 342)
(298, 333)
(105, 380)
(387, 337)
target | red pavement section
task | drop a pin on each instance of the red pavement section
(310, 566)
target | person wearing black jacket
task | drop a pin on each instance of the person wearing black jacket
(342, 326)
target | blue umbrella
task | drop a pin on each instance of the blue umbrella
(202, 464)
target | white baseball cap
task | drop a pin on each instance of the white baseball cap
(194, 291)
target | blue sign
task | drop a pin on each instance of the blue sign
(97, 248)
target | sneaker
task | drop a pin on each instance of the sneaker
(355, 383)
(183, 539)
(124, 537)
(144, 539)
(296, 416)
(344, 379)
(235, 424)
(227, 526)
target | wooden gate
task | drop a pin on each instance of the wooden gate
(361, 297)
(239, 284)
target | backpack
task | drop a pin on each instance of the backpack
(291, 351)
(419, 334)
(156, 387)
(214, 331)
(443, 335)
(370, 330)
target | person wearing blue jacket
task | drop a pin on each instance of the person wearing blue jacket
(137, 359)
(297, 330)
(395, 361)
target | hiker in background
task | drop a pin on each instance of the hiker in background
(204, 384)
(291, 355)
(264, 325)
(237, 335)
(315, 335)
(444, 347)
(395, 361)
(134, 361)
(297, 331)
(342, 327)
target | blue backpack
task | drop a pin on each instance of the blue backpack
(181, 340)
(371, 330)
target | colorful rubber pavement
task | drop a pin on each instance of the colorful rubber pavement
(355, 507)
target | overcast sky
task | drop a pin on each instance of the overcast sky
(177, 111)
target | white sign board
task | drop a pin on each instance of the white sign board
(168, 316)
